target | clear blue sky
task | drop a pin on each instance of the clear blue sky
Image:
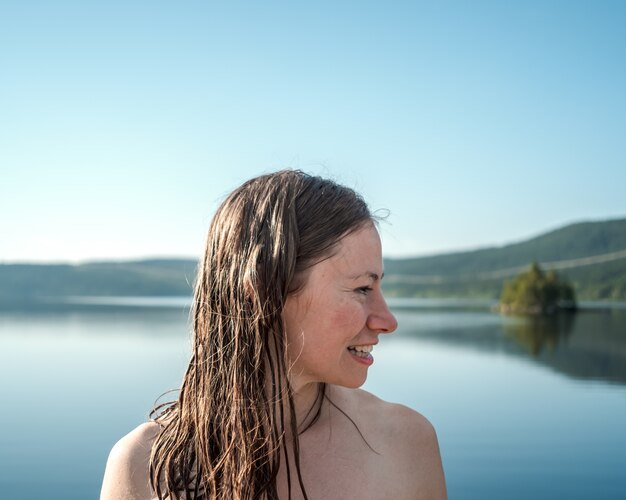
(123, 124)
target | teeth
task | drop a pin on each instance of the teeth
(362, 348)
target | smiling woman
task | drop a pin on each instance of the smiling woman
(287, 310)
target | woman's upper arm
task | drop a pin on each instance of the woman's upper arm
(422, 456)
(431, 466)
(126, 476)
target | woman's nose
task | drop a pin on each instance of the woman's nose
(381, 319)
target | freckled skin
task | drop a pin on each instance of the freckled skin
(340, 305)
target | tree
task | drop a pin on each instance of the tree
(536, 292)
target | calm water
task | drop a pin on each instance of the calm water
(523, 409)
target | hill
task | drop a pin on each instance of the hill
(591, 255)
(29, 283)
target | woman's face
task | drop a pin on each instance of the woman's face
(335, 319)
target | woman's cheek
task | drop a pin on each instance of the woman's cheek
(348, 319)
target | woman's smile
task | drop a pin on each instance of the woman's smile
(363, 354)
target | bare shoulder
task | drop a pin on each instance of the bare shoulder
(415, 441)
(127, 470)
(408, 423)
(410, 427)
(405, 437)
(398, 423)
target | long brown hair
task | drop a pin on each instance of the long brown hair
(224, 436)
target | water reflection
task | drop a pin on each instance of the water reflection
(589, 345)
(537, 334)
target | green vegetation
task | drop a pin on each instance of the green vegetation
(536, 292)
(591, 256)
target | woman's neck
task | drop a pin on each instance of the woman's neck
(307, 401)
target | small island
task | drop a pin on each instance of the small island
(535, 292)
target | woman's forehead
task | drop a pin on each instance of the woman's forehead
(356, 256)
(363, 243)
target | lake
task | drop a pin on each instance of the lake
(523, 408)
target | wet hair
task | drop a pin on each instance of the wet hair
(225, 435)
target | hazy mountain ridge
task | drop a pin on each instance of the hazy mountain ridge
(42, 282)
(574, 241)
(482, 272)
(476, 273)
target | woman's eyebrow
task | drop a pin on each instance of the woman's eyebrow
(369, 274)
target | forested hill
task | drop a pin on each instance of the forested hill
(27, 283)
(590, 254)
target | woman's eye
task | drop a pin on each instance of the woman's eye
(364, 290)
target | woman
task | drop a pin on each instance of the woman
(287, 309)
